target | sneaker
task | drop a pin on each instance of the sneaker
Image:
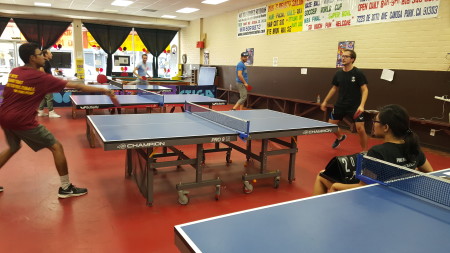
(41, 113)
(233, 110)
(1, 188)
(53, 114)
(337, 142)
(71, 191)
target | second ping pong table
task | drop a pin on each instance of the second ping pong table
(374, 218)
(121, 88)
(144, 133)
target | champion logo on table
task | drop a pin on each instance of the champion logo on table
(122, 146)
(316, 131)
(90, 107)
(141, 145)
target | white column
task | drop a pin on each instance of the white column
(78, 47)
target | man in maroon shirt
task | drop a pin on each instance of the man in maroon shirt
(25, 89)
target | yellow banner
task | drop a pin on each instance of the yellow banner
(285, 17)
(66, 42)
(128, 43)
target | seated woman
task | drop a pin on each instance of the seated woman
(401, 147)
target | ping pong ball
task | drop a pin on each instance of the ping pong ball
(254, 180)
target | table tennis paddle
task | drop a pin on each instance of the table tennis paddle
(357, 113)
(249, 87)
(144, 78)
(115, 101)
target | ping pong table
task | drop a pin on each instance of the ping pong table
(146, 100)
(373, 218)
(144, 133)
(121, 88)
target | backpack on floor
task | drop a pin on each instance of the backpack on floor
(341, 169)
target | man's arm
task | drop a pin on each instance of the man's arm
(330, 94)
(86, 88)
(364, 95)
(136, 73)
(241, 77)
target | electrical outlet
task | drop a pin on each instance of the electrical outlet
(433, 132)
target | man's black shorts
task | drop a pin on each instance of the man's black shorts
(338, 113)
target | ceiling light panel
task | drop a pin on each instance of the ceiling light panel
(187, 10)
(214, 1)
(122, 3)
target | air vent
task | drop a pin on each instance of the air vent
(149, 10)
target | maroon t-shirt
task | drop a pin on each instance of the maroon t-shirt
(23, 93)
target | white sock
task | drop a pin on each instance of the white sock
(65, 182)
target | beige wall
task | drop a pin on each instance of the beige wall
(410, 45)
(188, 39)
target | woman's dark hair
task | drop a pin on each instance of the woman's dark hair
(26, 50)
(397, 118)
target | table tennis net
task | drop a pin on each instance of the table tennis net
(372, 170)
(117, 84)
(152, 96)
(240, 125)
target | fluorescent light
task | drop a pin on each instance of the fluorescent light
(42, 4)
(110, 11)
(168, 16)
(214, 1)
(187, 10)
(122, 3)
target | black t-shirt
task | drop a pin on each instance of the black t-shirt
(395, 153)
(349, 84)
(48, 67)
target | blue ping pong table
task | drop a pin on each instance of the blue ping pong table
(121, 89)
(145, 100)
(369, 219)
(146, 132)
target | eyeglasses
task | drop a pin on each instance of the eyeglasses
(376, 121)
(346, 56)
(42, 53)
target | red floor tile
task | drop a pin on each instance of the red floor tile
(113, 216)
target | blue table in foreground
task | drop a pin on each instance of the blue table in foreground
(141, 134)
(374, 218)
(91, 102)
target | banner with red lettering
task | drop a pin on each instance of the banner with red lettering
(252, 22)
(377, 11)
(305, 15)
(321, 14)
(285, 17)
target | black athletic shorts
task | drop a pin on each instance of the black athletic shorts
(338, 113)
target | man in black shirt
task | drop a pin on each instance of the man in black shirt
(351, 85)
(48, 99)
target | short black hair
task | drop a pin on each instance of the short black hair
(352, 53)
(26, 50)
